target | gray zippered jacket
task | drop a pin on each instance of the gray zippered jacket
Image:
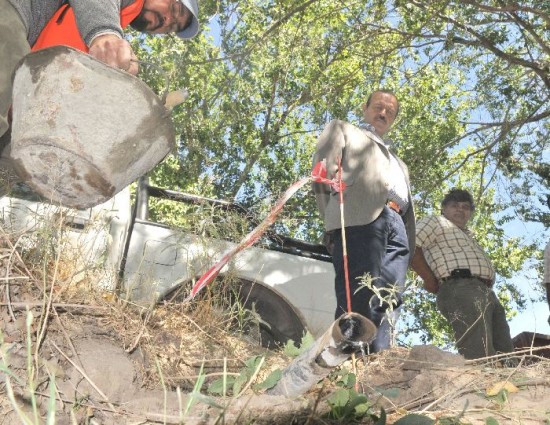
(365, 170)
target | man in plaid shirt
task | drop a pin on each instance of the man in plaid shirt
(455, 267)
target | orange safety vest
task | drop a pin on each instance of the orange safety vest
(62, 29)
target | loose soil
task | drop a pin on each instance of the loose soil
(112, 362)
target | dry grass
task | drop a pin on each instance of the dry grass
(174, 346)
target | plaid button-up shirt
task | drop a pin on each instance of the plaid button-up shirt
(447, 247)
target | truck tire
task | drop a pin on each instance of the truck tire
(278, 323)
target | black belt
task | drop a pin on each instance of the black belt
(466, 274)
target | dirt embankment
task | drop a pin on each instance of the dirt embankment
(114, 363)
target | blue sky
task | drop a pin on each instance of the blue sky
(533, 319)
(535, 316)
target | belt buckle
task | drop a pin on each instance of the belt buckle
(393, 205)
(462, 273)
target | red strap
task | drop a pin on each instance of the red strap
(249, 239)
(319, 175)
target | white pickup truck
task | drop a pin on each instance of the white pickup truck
(288, 282)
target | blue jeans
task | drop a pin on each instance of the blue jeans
(381, 249)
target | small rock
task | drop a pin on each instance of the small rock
(431, 357)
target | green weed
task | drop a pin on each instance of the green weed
(236, 385)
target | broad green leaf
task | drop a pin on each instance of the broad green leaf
(216, 387)
(339, 398)
(273, 378)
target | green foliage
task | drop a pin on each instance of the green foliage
(218, 387)
(272, 379)
(346, 405)
(192, 399)
(343, 378)
(235, 384)
(388, 296)
(292, 350)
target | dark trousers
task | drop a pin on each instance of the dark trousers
(380, 249)
(477, 317)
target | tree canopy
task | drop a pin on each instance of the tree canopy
(473, 80)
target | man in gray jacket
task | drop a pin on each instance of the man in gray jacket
(97, 29)
(378, 214)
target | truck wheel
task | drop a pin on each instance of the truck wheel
(278, 322)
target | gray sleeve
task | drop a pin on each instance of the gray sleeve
(97, 16)
(330, 145)
(35, 14)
